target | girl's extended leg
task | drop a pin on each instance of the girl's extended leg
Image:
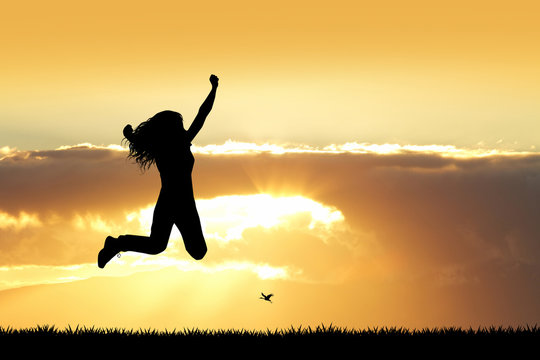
(162, 223)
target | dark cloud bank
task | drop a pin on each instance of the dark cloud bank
(470, 225)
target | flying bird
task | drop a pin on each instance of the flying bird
(266, 297)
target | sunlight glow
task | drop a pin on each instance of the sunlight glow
(225, 218)
(25, 275)
(143, 216)
(262, 270)
(236, 147)
(5, 151)
(129, 264)
(231, 147)
(91, 146)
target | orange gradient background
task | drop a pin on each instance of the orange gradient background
(370, 163)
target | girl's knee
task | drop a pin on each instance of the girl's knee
(194, 241)
(159, 247)
(197, 253)
(158, 244)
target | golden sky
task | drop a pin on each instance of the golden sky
(315, 72)
(370, 163)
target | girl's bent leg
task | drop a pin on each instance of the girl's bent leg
(142, 244)
(191, 230)
(162, 224)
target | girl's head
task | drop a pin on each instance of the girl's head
(153, 136)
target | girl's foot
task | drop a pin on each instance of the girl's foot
(108, 252)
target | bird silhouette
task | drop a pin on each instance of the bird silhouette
(266, 297)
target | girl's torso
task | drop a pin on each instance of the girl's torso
(175, 164)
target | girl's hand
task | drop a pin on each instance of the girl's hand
(214, 80)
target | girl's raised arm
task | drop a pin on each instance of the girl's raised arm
(204, 110)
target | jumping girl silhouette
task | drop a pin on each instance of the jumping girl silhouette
(163, 140)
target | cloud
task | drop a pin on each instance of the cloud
(411, 214)
(234, 226)
(6, 151)
(235, 147)
(129, 264)
(227, 217)
(22, 221)
(95, 223)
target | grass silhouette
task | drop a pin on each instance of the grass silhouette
(291, 332)
(331, 339)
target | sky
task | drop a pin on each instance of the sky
(369, 163)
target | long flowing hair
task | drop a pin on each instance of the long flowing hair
(150, 138)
